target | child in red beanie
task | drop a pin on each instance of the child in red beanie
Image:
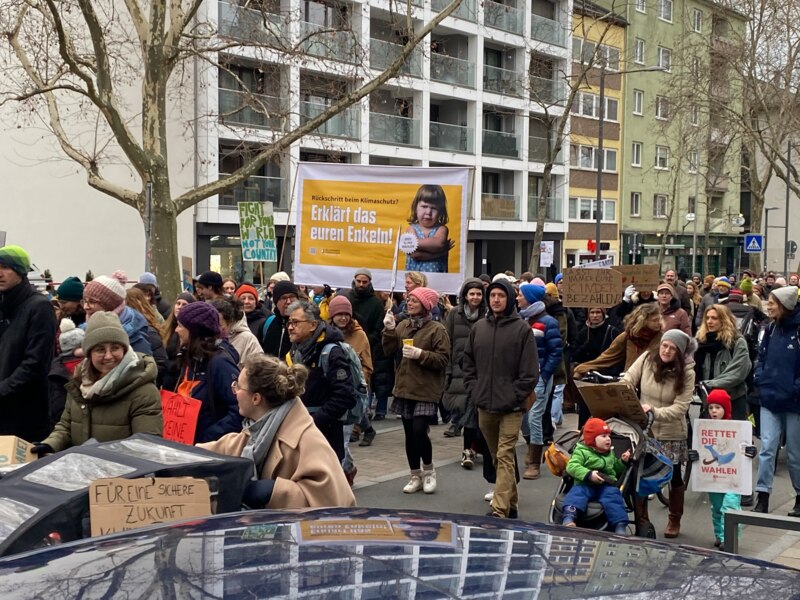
(592, 466)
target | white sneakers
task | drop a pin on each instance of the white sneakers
(468, 459)
(414, 484)
(488, 497)
(421, 480)
(429, 481)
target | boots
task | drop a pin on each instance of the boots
(643, 525)
(795, 512)
(762, 503)
(529, 455)
(532, 471)
(675, 512)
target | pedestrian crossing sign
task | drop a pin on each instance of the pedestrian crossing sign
(753, 243)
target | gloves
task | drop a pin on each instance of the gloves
(750, 451)
(694, 455)
(258, 493)
(628, 294)
(388, 321)
(412, 352)
(40, 449)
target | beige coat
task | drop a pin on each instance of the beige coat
(670, 410)
(300, 460)
(355, 336)
(241, 338)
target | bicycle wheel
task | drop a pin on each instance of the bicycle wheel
(663, 496)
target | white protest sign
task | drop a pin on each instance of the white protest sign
(546, 253)
(596, 264)
(722, 466)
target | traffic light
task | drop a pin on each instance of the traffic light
(591, 245)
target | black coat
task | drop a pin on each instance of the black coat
(276, 342)
(368, 310)
(27, 343)
(593, 341)
(255, 321)
(159, 354)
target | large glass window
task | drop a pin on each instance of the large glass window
(638, 51)
(662, 158)
(638, 102)
(665, 10)
(665, 58)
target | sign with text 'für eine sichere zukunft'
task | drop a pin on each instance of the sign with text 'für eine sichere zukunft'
(257, 231)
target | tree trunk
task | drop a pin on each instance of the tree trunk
(538, 236)
(162, 247)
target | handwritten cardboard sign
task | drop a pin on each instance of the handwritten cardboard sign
(119, 504)
(257, 231)
(591, 287)
(722, 466)
(606, 400)
(643, 277)
(180, 417)
(14, 450)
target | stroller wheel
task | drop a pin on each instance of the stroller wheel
(646, 530)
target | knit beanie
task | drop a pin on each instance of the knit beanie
(677, 337)
(365, 272)
(780, 282)
(282, 288)
(120, 276)
(340, 305)
(722, 398)
(533, 292)
(558, 278)
(551, 289)
(210, 279)
(708, 279)
(280, 276)
(537, 281)
(426, 296)
(15, 258)
(71, 337)
(736, 296)
(201, 319)
(148, 279)
(70, 290)
(246, 288)
(592, 429)
(104, 327)
(787, 296)
(746, 285)
(723, 282)
(106, 290)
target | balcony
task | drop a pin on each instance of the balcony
(465, 10)
(256, 189)
(548, 31)
(393, 129)
(449, 69)
(504, 207)
(547, 91)
(537, 151)
(382, 54)
(503, 16)
(553, 209)
(345, 124)
(325, 42)
(251, 110)
(458, 138)
(498, 143)
(502, 81)
(249, 25)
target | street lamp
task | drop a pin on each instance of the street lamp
(766, 234)
(598, 213)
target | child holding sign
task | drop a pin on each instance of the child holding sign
(428, 222)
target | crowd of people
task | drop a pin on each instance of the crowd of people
(276, 371)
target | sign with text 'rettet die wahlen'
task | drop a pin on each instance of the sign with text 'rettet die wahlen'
(257, 231)
(722, 465)
(591, 288)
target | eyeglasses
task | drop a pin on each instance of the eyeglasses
(294, 323)
(90, 302)
(235, 387)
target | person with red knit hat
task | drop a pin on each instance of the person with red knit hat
(595, 469)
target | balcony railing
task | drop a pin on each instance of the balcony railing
(548, 31)
(449, 69)
(537, 150)
(502, 81)
(547, 91)
(345, 124)
(498, 143)
(465, 10)
(251, 110)
(458, 138)
(500, 206)
(325, 42)
(503, 16)
(256, 189)
(553, 209)
(382, 54)
(393, 129)
(249, 25)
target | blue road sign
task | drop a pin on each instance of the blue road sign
(753, 243)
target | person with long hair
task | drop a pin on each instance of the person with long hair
(137, 299)
(695, 299)
(293, 464)
(665, 380)
(172, 342)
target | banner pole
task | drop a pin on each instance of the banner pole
(288, 217)
(394, 260)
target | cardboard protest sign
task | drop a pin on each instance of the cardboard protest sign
(722, 466)
(591, 287)
(606, 400)
(643, 277)
(257, 232)
(180, 417)
(14, 450)
(119, 504)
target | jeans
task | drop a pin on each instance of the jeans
(347, 461)
(556, 412)
(532, 420)
(772, 425)
(501, 432)
(381, 402)
(609, 496)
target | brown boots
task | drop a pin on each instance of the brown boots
(533, 462)
(676, 495)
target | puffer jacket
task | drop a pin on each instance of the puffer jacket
(458, 325)
(423, 379)
(133, 405)
(135, 325)
(777, 375)
(548, 343)
(568, 329)
(584, 460)
(241, 338)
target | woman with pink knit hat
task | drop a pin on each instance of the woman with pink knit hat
(108, 294)
(419, 380)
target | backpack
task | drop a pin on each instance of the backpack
(355, 414)
(265, 328)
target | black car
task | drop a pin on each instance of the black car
(370, 553)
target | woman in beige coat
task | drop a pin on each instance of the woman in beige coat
(665, 379)
(294, 465)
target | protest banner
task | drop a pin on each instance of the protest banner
(257, 232)
(348, 215)
(722, 466)
(591, 287)
(642, 277)
(603, 263)
(606, 400)
(546, 253)
(118, 504)
(377, 531)
(180, 417)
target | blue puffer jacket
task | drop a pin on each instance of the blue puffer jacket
(777, 374)
(135, 325)
(548, 338)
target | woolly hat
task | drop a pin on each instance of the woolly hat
(71, 290)
(592, 429)
(106, 290)
(746, 285)
(722, 398)
(340, 305)
(282, 288)
(246, 288)
(736, 296)
(708, 279)
(723, 282)
(780, 282)
(210, 279)
(533, 292)
(677, 337)
(200, 318)
(787, 296)
(103, 327)
(551, 289)
(485, 278)
(558, 278)
(698, 275)
(15, 258)
(666, 286)
(279, 276)
(365, 272)
(120, 276)
(426, 296)
(71, 337)
(186, 297)
(504, 276)
(538, 281)
(148, 279)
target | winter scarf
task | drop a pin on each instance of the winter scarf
(262, 434)
(104, 385)
(644, 338)
(417, 322)
(304, 352)
(711, 347)
(532, 310)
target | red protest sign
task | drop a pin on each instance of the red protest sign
(180, 417)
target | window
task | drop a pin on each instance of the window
(662, 107)
(694, 114)
(587, 105)
(693, 161)
(692, 204)
(636, 154)
(636, 204)
(611, 56)
(641, 5)
(584, 52)
(695, 69)
(665, 58)
(610, 163)
(665, 10)
(586, 157)
(638, 102)
(584, 209)
(662, 157)
(612, 109)
(660, 206)
(638, 51)
(697, 20)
